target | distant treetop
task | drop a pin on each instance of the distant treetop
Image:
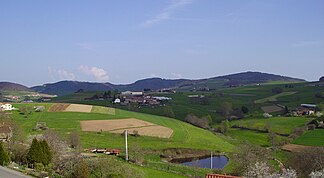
(321, 79)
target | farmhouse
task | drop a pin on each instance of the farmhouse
(5, 132)
(7, 107)
(305, 109)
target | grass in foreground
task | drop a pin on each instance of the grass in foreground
(184, 135)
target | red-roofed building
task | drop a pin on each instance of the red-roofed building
(219, 176)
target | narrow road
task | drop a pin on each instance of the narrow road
(8, 173)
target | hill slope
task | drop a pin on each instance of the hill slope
(8, 86)
(69, 87)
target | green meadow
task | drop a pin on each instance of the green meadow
(311, 138)
(281, 125)
(184, 135)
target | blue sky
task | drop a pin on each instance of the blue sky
(122, 41)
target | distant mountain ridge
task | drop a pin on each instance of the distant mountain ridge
(244, 78)
(9, 86)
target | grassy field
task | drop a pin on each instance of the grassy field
(250, 136)
(274, 97)
(282, 125)
(103, 110)
(311, 138)
(184, 136)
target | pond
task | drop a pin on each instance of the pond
(219, 162)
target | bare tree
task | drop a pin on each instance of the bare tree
(247, 155)
(307, 161)
(57, 145)
(75, 141)
(111, 167)
(226, 109)
(136, 154)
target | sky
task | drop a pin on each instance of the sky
(121, 41)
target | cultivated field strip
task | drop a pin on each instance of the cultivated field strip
(130, 124)
(152, 131)
(58, 107)
(79, 108)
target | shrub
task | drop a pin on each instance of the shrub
(244, 109)
(4, 158)
(39, 152)
(199, 122)
(267, 115)
(39, 167)
(277, 90)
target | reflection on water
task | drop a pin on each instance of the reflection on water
(219, 162)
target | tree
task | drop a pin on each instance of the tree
(18, 152)
(26, 110)
(274, 140)
(321, 79)
(226, 109)
(307, 161)
(276, 90)
(258, 170)
(136, 154)
(111, 167)
(199, 122)
(57, 146)
(75, 141)
(81, 170)
(245, 110)
(262, 170)
(247, 156)
(47, 155)
(34, 153)
(4, 158)
(225, 126)
(168, 112)
(39, 152)
(317, 174)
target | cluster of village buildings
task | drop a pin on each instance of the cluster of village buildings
(129, 97)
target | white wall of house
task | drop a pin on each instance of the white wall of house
(7, 107)
(117, 100)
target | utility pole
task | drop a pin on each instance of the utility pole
(211, 160)
(126, 146)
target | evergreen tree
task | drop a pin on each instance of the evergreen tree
(4, 158)
(244, 109)
(46, 152)
(39, 152)
(34, 153)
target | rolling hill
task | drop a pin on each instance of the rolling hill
(245, 78)
(8, 86)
